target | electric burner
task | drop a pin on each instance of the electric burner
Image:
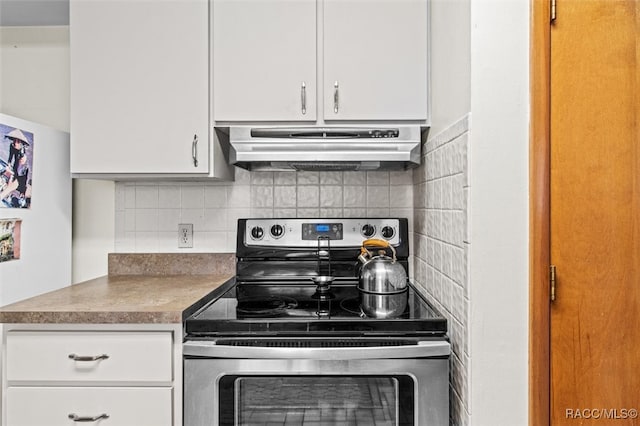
(300, 276)
(260, 306)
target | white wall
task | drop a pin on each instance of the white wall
(450, 63)
(499, 212)
(34, 85)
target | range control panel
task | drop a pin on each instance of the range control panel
(306, 232)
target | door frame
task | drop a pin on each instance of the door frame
(539, 214)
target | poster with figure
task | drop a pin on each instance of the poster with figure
(9, 239)
(16, 167)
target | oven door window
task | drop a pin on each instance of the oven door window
(316, 400)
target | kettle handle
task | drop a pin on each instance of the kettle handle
(376, 243)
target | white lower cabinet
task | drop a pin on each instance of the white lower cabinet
(57, 406)
(103, 375)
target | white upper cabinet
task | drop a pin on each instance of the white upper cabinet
(369, 59)
(264, 60)
(375, 60)
(140, 87)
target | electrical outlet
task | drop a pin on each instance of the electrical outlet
(185, 235)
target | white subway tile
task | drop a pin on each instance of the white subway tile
(238, 196)
(119, 196)
(330, 178)
(308, 196)
(401, 177)
(377, 178)
(215, 220)
(355, 212)
(261, 196)
(233, 215)
(355, 178)
(241, 176)
(119, 225)
(168, 219)
(215, 242)
(146, 197)
(330, 196)
(284, 213)
(401, 196)
(377, 212)
(261, 178)
(129, 197)
(331, 212)
(284, 197)
(129, 220)
(377, 196)
(308, 212)
(192, 196)
(169, 197)
(215, 197)
(284, 178)
(146, 220)
(168, 241)
(355, 196)
(308, 178)
(146, 242)
(262, 212)
(193, 216)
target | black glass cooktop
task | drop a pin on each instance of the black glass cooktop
(297, 308)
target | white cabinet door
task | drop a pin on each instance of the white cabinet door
(139, 86)
(376, 54)
(34, 406)
(60, 356)
(264, 60)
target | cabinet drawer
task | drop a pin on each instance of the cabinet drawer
(36, 406)
(135, 357)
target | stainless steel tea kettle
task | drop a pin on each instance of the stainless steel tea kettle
(383, 281)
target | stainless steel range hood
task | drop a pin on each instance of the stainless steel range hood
(325, 148)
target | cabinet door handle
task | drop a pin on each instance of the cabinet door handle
(88, 358)
(77, 418)
(194, 150)
(336, 100)
(303, 94)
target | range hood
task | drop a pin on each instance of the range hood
(325, 148)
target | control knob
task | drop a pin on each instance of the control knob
(277, 231)
(388, 232)
(368, 230)
(257, 233)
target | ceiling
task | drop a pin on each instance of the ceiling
(14, 13)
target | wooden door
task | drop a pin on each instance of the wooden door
(595, 212)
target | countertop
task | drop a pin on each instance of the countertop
(134, 298)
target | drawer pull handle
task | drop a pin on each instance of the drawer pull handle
(88, 358)
(77, 418)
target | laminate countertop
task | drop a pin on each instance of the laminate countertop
(135, 298)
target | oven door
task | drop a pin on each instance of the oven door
(312, 386)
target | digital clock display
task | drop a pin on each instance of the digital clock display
(311, 231)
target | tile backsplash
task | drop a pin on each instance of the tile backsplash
(441, 247)
(148, 213)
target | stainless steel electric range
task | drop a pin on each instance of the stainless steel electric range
(283, 347)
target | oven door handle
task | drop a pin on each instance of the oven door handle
(424, 349)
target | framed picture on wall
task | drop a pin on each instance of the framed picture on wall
(16, 167)
(10, 239)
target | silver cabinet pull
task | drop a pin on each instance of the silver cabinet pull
(88, 358)
(335, 97)
(77, 418)
(194, 150)
(303, 94)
